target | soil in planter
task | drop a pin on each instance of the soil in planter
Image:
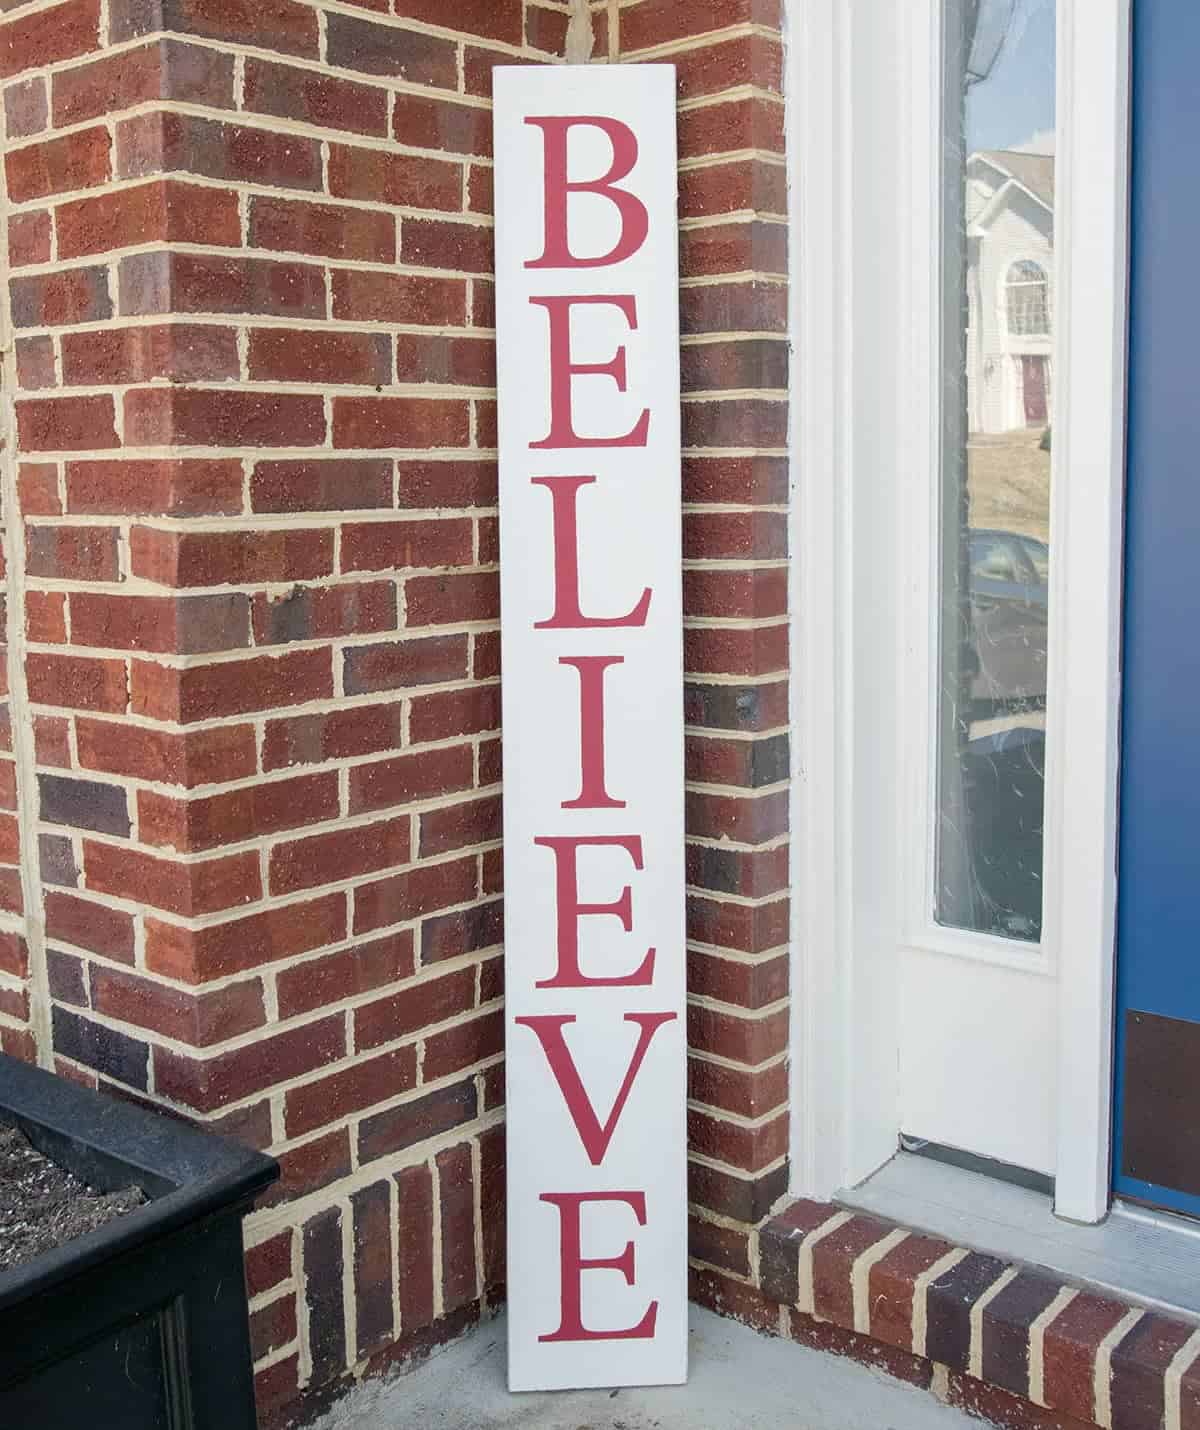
(43, 1206)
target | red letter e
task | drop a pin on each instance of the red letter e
(574, 1265)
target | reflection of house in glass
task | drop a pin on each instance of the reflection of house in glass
(1010, 257)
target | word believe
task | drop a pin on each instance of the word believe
(587, 326)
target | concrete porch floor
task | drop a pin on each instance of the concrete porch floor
(740, 1380)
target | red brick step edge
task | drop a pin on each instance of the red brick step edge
(1009, 1343)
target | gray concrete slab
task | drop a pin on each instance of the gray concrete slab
(739, 1381)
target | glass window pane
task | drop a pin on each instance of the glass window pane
(998, 359)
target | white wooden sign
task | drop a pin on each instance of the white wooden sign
(588, 330)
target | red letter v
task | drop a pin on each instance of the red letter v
(549, 1031)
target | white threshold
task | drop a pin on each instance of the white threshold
(1150, 1258)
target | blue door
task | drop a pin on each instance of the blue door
(1157, 1133)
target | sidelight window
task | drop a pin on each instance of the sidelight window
(997, 442)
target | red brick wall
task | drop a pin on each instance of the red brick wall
(733, 304)
(250, 256)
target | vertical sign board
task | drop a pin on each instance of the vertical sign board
(590, 577)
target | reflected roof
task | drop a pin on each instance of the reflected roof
(1034, 171)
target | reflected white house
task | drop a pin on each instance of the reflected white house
(1010, 274)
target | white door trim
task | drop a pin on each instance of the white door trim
(844, 1037)
(1086, 571)
(818, 135)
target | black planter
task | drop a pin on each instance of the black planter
(141, 1325)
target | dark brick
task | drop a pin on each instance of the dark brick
(66, 977)
(177, 283)
(26, 107)
(158, 143)
(770, 761)
(779, 1248)
(323, 1293)
(460, 825)
(313, 612)
(395, 53)
(748, 708)
(450, 935)
(414, 1186)
(456, 1193)
(493, 1087)
(315, 98)
(373, 1267)
(746, 1199)
(1139, 1365)
(313, 739)
(273, 24)
(949, 1300)
(413, 1122)
(106, 1051)
(719, 1246)
(343, 485)
(162, 69)
(491, 986)
(249, 1125)
(188, 625)
(746, 363)
(738, 871)
(84, 804)
(73, 553)
(493, 1206)
(57, 859)
(398, 664)
(1006, 1322)
(272, 1326)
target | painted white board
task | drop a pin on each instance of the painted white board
(590, 558)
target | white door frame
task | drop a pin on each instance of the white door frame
(857, 343)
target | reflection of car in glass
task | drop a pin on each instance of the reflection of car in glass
(1003, 776)
(1001, 761)
(1008, 594)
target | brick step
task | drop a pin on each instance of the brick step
(1012, 1344)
